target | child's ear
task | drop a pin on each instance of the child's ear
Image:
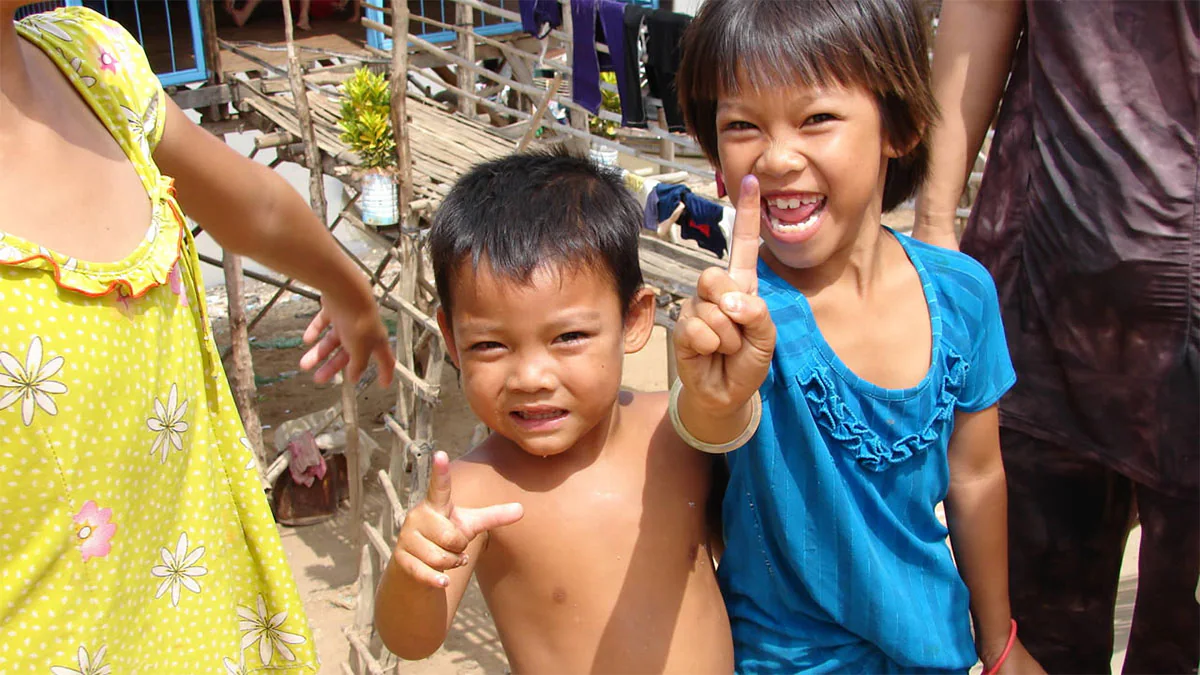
(893, 150)
(639, 320)
(448, 336)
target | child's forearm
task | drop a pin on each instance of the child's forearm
(412, 618)
(971, 59)
(977, 514)
(286, 236)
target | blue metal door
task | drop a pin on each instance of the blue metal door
(168, 30)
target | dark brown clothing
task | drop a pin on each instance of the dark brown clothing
(1068, 519)
(1088, 220)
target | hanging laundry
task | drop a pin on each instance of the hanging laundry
(701, 220)
(669, 196)
(585, 74)
(665, 34)
(702, 224)
(629, 78)
(539, 17)
(651, 218)
(612, 26)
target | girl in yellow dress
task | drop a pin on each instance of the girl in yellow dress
(135, 537)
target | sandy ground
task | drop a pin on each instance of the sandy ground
(325, 556)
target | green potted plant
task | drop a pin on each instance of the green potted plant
(611, 102)
(366, 122)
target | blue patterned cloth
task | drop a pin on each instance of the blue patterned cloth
(835, 561)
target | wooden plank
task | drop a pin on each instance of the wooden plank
(202, 97)
(424, 390)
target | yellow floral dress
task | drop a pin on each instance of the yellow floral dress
(135, 535)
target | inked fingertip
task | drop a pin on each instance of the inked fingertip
(749, 182)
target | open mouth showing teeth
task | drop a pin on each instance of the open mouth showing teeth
(788, 215)
(538, 415)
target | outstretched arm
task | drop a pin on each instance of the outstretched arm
(972, 56)
(977, 515)
(250, 210)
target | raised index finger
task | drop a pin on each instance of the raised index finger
(439, 483)
(743, 251)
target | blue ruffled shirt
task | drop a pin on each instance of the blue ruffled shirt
(835, 561)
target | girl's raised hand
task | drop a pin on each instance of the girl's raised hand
(724, 338)
(355, 336)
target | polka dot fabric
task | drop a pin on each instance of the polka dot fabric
(135, 537)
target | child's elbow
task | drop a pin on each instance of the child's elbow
(406, 642)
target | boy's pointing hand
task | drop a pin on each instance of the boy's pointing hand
(436, 533)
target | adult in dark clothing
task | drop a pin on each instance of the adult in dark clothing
(1088, 219)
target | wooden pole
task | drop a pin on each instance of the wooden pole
(212, 54)
(536, 121)
(407, 245)
(465, 18)
(245, 393)
(353, 457)
(398, 85)
(312, 152)
(666, 149)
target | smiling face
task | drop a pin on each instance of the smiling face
(820, 157)
(541, 361)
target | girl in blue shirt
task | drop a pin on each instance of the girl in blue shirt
(873, 361)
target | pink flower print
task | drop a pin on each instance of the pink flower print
(108, 62)
(176, 280)
(124, 304)
(94, 530)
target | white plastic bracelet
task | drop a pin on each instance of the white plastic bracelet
(714, 448)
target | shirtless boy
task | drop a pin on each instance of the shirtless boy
(583, 514)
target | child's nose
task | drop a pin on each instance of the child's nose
(534, 372)
(781, 158)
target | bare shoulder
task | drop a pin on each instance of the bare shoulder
(646, 419)
(642, 405)
(477, 477)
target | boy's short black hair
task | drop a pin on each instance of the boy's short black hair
(879, 45)
(534, 210)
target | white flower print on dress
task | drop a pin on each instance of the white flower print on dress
(233, 667)
(8, 253)
(77, 65)
(143, 125)
(263, 629)
(88, 665)
(253, 462)
(155, 215)
(47, 24)
(179, 569)
(30, 384)
(168, 424)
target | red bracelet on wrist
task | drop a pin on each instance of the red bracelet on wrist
(1012, 639)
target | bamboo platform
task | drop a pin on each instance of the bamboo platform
(443, 145)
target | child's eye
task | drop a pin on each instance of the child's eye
(572, 336)
(486, 345)
(820, 118)
(738, 125)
